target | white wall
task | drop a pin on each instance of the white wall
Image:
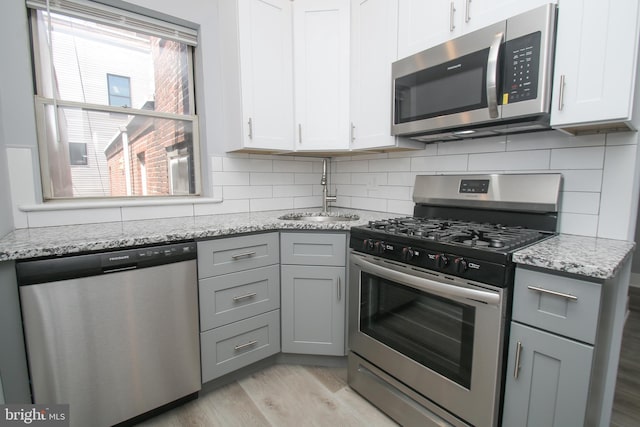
(598, 197)
(598, 171)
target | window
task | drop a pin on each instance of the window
(78, 153)
(133, 143)
(119, 90)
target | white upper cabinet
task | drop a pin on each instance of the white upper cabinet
(374, 33)
(257, 97)
(424, 24)
(321, 74)
(595, 67)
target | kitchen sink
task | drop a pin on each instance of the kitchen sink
(319, 217)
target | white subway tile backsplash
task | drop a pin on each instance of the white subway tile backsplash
(580, 202)
(307, 178)
(581, 180)
(231, 178)
(450, 163)
(339, 178)
(298, 166)
(231, 164)
(577, 158)
(73, 216)
(390, 192)
(622, 138)
(307, 202)
(352, 166)
(369, 204)
(390, 165)
(292, 190)
(237, 192)
(370, 179)
(258, 178)
(582, 224)
(352, 190)
(273, 204)
(132, 213)
(216, 163)
(402, 178)
(616, 203)
(228, 206)
(483, 145)
(400, 207)
(550, 139)
(511, 160)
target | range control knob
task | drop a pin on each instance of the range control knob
(380, 247)
(461, 265)
(368, 244)
(442, 260)
(408, 254)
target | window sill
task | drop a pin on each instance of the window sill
(68, 205)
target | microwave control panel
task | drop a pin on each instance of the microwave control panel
(521, 65)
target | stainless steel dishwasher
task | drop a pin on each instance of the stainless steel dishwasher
(112, 334)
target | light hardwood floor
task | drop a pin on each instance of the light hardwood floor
(294, 395)
(282, 396)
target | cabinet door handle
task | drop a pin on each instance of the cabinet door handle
(243, 255)
(467, 14)
(245, 345)
(299, 133)
(550, 292)
(339, 289)
(516, 370)
(452, 12)
(245, 296)
(561, 94)
(353, 132)
(250, 128)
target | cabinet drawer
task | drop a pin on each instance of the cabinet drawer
(231, 347)
(231, 297)
(563, 305)
(222, 256)
(313, 248)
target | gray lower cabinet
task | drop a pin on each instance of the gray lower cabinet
(239, 294)
(313, 293)
(550, 366)
(550, 385)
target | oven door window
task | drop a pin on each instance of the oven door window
(433, 331)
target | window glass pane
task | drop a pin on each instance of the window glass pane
(143, 71)
(77, 153)
(119, 90)
(129, 155)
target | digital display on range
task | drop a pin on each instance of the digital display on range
(474, 186)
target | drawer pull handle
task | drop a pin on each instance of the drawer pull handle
(245, 296)
(516, 370)
(558, 294)
(243, 255)
(245, 345)
(339, 289)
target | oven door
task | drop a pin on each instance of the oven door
(440, 336)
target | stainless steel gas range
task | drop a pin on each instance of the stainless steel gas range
(430, 295)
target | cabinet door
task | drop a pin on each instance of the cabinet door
(552, 382)
(313, 310)
(266, 56)
(424, 24)
(595, 67)
(321, 72)
(480, 13)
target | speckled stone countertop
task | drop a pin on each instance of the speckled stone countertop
(70, 239)
(585, 256)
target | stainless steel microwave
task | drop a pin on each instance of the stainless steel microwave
(492, 81)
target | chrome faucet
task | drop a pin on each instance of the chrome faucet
(325, 196)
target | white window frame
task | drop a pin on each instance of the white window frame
(104, 14)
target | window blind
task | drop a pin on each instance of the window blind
(109, 15)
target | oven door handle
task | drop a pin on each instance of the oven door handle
(429, 285)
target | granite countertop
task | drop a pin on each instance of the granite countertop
(586, 256)
(70, 239)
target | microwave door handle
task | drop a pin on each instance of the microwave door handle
(492, 76)
(429, 285)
